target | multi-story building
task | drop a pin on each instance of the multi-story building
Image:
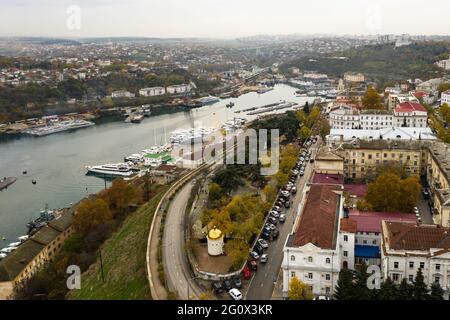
(152, 92)
(178, 89)
(395, 98)
(407, 114)
(444, 64)
(406, 247)
(354, 77)
(34, 253)
(445, 98)
(363, 159)
(319, 246)
(122, 94)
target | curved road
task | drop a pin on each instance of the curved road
(176, 266)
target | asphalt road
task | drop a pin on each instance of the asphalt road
(424, 210)
(263, 281)
(176, 266)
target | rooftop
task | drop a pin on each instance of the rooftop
(17, 260)
(319, 220)
(370, 221)
(411, 236)
(324, 178)
(410, 107)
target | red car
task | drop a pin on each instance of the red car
(246, 273)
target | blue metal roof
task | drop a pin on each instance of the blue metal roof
(367, 251)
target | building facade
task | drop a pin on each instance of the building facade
(152, 92)
(445, 98)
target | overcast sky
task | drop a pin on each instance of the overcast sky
(220, 18)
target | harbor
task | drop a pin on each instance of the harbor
(57, 162)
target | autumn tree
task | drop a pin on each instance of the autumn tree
(304, 132)
(120, 195)
(270, 192)
(371, 99)
(238, 251)
(298, 290)
(89, 214)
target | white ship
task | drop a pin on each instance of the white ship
(112, 170)
(59, 127)
(208, 100)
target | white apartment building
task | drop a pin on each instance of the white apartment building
(354, 77)
(152, 92)
(444, 64)
(445, 97)
(406, 247)
(394, 99)
(320, 245)
(409, 114)
(177, 89)
(122, 94)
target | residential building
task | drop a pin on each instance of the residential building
(431, 85)
(410, 114)
(444, 64)
(445, 98)
(393, 99)
(363, 159)
(178, 89)
(34, 253)
(354, 77)
(152, 92)
(313, 252)
(327, 162)
(407, 247)
(122, 94)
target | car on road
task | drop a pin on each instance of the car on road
(282, 217)
(275, 234)
(227, 285)
(285, 193)
(274, 214)
(270, 226)
(302, 173)
(217, 287)
(264, 258)
(272, 220)
(258, 249)
(311, 160)
(287, 204)
(237, 282)
(416, 210)
(263, 243)
(252, 265)
(277, 209)
(254, 255)
(235, 294)
(246, 273)
(294, 190)
(426, 193)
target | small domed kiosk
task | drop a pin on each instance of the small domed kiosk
(215, 242)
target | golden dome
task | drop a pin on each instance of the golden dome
(214, 234)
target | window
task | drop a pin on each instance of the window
(292, 258)
(422, 265)
(345, 238)
(395, 265)
(327, 261)
(411, 278)
(327, 290)
(374, 241)
(345, 253)
(411, 265)
(364, 241)
(395, 277)
(438, 267)
(310, 275)
(328, 277)
(436, 279)
(292, 274)
(310, 259)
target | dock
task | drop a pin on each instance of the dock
(5, 182)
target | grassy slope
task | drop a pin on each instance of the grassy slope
(124, 261)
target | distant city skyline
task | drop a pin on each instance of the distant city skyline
(220, 19)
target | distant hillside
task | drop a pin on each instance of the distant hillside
(382, 62)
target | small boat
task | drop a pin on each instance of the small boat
(230, 105)
(3, 256)
(8, 250)
(24, 172)
(23, 238)
(6, 182)
(33, 181)
(137, 118)
(14, 244)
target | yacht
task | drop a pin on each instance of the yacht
(3, 256)
(23, 238)
(114, 170)
(208, 100)
(59, 127)
(136, 158)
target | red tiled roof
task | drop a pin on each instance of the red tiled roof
(410, 236)
(410, 107)
(359, 190)
(318, 223)
(324, 178)
(420, 94)
(348, 225)
(370, 221)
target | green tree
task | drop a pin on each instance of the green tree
(344, 288)
(361, 291)
(371, 99)
(215, 192)
(420, 290)
(388, 290)
(405, 290)
(299, 290)
(304, 133)
(306, 109)
(437, 293)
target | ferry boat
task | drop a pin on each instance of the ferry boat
(6, 182)
(45, 216)
(208, 100)
(112, 170)
(59, 127)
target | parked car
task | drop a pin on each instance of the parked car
(285, 193)
(275, 233)
(416, 210)
(302, 173)
(246, 273)
(294, 190)
(235, 294)
(266, 235)
(264, 258)
(426, 193)
(277, 208)
(237, 282)
(252, 265)
(263, 243)
(254, 255)
(258, 249)
(311, 160)
(217, 287)
(271, 226)
(274, 214)
(287, 204)
(227, 285)
(282, 217)
(272, 220)
(281, 199)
